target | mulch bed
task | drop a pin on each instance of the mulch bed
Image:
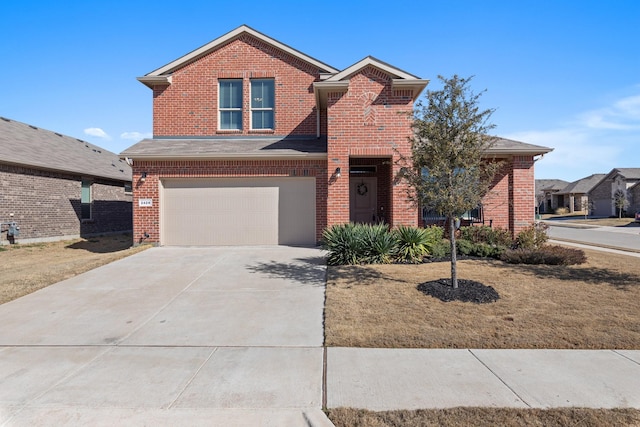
(467, 291)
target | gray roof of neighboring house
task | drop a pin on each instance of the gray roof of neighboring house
(27, 145)
(584, 185)
(228, 147)
(628, 173)
(270, 147)
(550, 184)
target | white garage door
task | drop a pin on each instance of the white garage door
(238, 211)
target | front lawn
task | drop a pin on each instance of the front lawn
(588, 306)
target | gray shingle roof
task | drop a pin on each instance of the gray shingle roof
(276, 147)
(27, 145)
(629, 173)
(510, 146)
(243, 147)
(550, 185)
(584, 185)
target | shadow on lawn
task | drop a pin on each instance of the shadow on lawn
(310, 271)
(361, 275)
(591, 275)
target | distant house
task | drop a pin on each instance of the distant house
(57, 187)
(634, 195)
(575, 196)
(545, 191)
(601, 196)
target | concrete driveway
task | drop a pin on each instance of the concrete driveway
(191, 336)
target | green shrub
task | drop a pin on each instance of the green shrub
(349, 244)
(413, 244)
(434, 234)
(480, 249)
(378, 246)
(441, 249)
(532, 237)
(486, 234)
(343, 244)
(549, 255)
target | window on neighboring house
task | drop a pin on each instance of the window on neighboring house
(128, 188)
(230, 104)
(85, 199)
(262, 95)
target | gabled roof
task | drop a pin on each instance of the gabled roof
(582, 186)
(503, 146)
(627, 173)
(339, 82)
(549, 185)
(162, 74)
(27, 145)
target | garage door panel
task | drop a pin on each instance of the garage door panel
(238, 211)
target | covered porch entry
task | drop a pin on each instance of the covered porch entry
(370, 188)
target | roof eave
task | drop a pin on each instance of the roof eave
(321, 89)
(225, 156)
(415, 85)
(151, 81)
(67, 171)
(519, 152)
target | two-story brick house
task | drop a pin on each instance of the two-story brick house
(257, 143)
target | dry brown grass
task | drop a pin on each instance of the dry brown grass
(27, 268)
(455, 417)
(590, 306)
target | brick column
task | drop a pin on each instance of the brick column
(521, 186)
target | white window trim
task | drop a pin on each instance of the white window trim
(251, 109)
(221, 109)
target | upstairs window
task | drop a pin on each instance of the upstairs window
(230, 104)
(262, 94)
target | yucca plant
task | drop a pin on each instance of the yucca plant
(343, 243)
(379, 245)
(413, 244)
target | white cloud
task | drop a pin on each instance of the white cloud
(623, 114)
(595, 141)
(97, 132)
(136, 136)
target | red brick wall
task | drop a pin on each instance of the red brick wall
(510, 204)
(188, 107)
(369, 120)
(522, 189)
(46, 205)
(496, 204)
(147, 219)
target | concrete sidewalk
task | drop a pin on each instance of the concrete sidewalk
(389, 379)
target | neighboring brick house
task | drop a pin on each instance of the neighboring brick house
(56, 187)
(257, 143)
(575, 196)
(545, 191)
(618, 179)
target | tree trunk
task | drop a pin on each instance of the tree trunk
(452, 240)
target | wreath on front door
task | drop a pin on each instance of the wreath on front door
(362, 189)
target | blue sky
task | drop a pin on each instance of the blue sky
(563, 74)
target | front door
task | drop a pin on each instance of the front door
(363, 194)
